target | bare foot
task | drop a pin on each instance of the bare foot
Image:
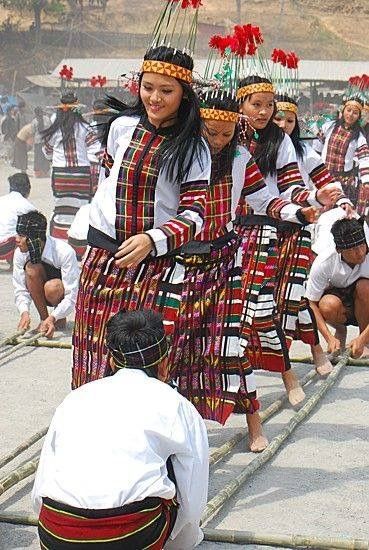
(323, 366)
(257, 440)
(294, 391)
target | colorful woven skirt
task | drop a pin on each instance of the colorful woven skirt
(261, 326)
(142, 525)
(294, 262)
(7, 248)
(106, 289)
(72, 188)
(207, 358)
(79, 246)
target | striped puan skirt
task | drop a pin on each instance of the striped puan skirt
(104, 290)
(261, 327)
(294, 262)
(146, 524)
(7, 249)
(207, 357)
(72, 188)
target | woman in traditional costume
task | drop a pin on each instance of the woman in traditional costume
(150, 200)
(344, 149)
(273, 250)
(316, 176)
(207, 358)
(71, 145)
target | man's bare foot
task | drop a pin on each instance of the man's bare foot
(323, 366)
(60, 324)
(257, 440)
(294, 391)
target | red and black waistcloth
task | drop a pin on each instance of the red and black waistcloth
(145, 524)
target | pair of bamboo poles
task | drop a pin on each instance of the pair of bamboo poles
(215, 504)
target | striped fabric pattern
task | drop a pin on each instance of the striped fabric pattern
(7, 248)
(297, 319)
(63, 527)
(321, 176)
(337, 148)
(217, 212)
(206, 357)
(104, 290)
(275, 206)
(289, 176)
(261, 328)
(253, 179)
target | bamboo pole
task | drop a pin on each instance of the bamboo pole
(226, 448)
(229, 490)
(18, 475)
(10, 339)
(17, 519)
(44, 344)
(23, 344)
(351, 362)
(22, 447)
(286, 541)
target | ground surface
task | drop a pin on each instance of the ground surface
(316, 485)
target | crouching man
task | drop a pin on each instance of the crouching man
(338, 286)
(125, 461)
(46, 272)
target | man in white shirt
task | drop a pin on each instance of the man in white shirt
(125, 460)
(46, 272)
(338, 286)
(11, 206)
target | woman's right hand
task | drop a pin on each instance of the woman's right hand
(310, 213)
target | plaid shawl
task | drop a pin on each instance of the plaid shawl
(338, 144)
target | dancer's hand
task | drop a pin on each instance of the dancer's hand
(132, 251)
(47, 327)
(311, 214)
(350, 211)
(24, 321)
(357, 347)
(334, 345)
(328, 196)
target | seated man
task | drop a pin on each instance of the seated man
(45, 271)
(338, 286)
(11, 206)
(125, 460)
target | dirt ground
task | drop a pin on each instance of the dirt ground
(316, 485)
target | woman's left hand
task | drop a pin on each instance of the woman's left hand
(132, 251)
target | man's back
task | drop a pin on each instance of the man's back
(12, 205)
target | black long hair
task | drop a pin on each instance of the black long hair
(296, 132)
(270, 138)
(221, 164)
(355, 129)
(65, 121)
(185, 144)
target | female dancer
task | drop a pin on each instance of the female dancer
(272, 250)
(345, 151)
(207, 355)
(71, 145)
(316, 176)
(151, 202)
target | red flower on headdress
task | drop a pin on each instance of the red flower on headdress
(65, 73)
(279, 56)
(292, 61)
(215, 41)
(93, 81)
(251, 49)
(189, 4)
(101, 80)
(248, 37)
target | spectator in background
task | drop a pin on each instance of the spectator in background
(22, 145)
(39, 124)
(9, 130)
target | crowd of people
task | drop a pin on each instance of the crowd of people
(194, 212)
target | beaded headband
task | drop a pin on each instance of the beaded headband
(287, 106)
(167, 69)
(218, 114)
(67, 106)
(255, 88)
(355, 103)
